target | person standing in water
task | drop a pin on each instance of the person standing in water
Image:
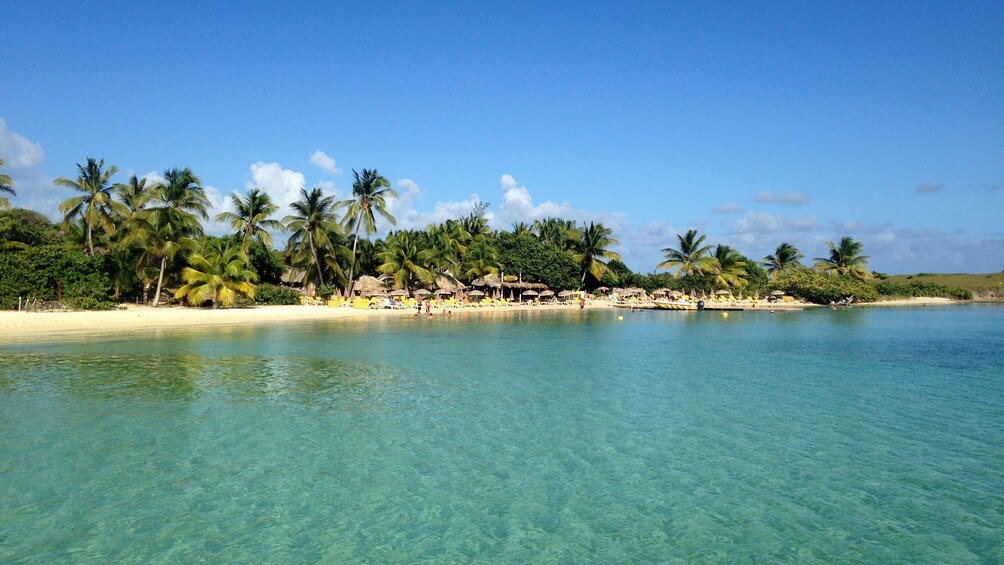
(582, 302)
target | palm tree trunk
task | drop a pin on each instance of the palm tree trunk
(317, 262)
(355, 242)
(90, 242)
(160, 280)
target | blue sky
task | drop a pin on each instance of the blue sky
(754, 123)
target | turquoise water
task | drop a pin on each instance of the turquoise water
(865, 435)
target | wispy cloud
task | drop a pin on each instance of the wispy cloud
(324, 162)
(929, 187)
(795, 198)
(727, 208)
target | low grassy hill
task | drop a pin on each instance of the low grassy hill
(983, 287)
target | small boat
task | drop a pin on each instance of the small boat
(663, 304)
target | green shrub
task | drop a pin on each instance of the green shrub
(276, 295)
(326, 290)
(51, 272)
(920, 288)
(823, 288)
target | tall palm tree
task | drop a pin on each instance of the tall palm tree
(592, 248)
(311, 223)
(175, 224)
(221, 274)
(406, 260)
(729, 268)
(251, 219)
(96, 205)
(132, 227)
(6, 185)
(785, 258)
(370, 192)
(691, 258)
(845, 259)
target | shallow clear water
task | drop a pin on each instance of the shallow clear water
(820, 436)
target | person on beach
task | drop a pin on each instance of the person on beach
(582, 302)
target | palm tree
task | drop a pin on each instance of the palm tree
(845, 259)
(175, 222)
(555, 231)
(521, 229)
(729, 268)
(481, 259)
(311, 223)
(251, 219)
(221, 275)
(6, 185)
(691, 258)
(592, 247)
(95, 206)
(406, 260)
(785, 258)
(370, 192)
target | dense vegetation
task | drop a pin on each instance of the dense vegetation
(133, 241)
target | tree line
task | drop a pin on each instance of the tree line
(148, 235)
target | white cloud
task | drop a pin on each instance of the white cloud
(796, 198)
(762, 223)
(17, 151)
(325, 163)
(283, 185)
(404, 208)
(517, 205)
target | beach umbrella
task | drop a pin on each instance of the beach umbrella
(422, 292)
(398, 292)
(374, 293)
(530, 293)
(777, 293)
(475, 293)
(660, 292)
(676, 293)
(723, 292)
(443, 292)
(602, 289)
(564, 294)
(547, 293)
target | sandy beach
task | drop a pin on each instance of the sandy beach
(31, 325)
(28, 325)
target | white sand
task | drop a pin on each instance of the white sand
(38, 325)
(25, 325)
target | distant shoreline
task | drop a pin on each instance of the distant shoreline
(26, 326)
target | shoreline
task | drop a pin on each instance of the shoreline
(26, 326)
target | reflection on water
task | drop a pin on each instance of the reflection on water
(189, 377)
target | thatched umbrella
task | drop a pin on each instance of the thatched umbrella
(422, 292)
(676, 293)
(777, 293)
(375, 293)
(723, 292)
(443, 291)
(546, 294)
(367, 284)
(398, 292)
(602, 289)
(475, 293)
(530, 293)
(564, 294)
(660, 292)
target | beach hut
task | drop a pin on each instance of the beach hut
(367, 284)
